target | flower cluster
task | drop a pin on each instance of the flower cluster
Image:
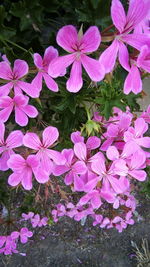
(100, 170)
(103, 169)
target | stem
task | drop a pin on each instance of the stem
(108, 28)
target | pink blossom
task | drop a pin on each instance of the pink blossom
(133, 80)
(42, 66)
(27, 216)
(72, 166)
(138, 9)
(78, 46)
(45, 155)
(7, 245)
(20, 106)
(136, 164)
(134, 137)
(24, 169)
(24, 234)
(37, 221)
(14, 77)
(15, 139)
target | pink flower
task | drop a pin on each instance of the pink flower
(45, 155)
(15, 139)
(78, 46)
(36, 221)
(10, 245)
(24, 234)
(133, 80)
(134, 137)
(28, 216)
(42, 66)
(72, 166)
(23, 171)
(136, 164)
(14, 78)
(20, 105)
(138, 9)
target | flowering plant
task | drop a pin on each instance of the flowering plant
(94, 171)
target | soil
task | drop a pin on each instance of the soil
(68, 244)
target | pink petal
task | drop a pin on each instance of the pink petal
(20, 68)
(56, 156)
(136, 13)
(79, 167)
(5, 89)
(38, 61)
(49, 54)
(90, 40)
(118, 187)
(14, 235)
(60, 169)
(37, 81)
(76, 137)
(23, 239)
(133, 81)
(15, 139)
(138, 159)
(143, 59)
(5, 71)
(58, 65)
(50, 83)
(31, 140)
(144, 141)
(5, 113)
(78, 184)
(139, 175)
(30, 111)
(16, 163)
(20, 117)
(93, 142)
(112, 153)
(26, 180)
(136, 40)
(75, 81)
(98, 166)
(80, 150)
(67, 38)
(124, 56)
(91, 185)
(28, 88)
(94, 68)
(4, 158)
(118, 15)
(140, 126)
(69, 178)
(14, 179)
(32, 161)
(109, 56)
(45, 163)
(96, 201)
(2, 131)
(41, 175)
(50, 136)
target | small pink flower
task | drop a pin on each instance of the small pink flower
(45, 155)
(15, 139)
(23, 171)
(28, 216)
(78, 46)
(14, 77)
(21, 108)
(24, 234)
(42, 65)
(37, 221)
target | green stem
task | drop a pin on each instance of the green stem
(14, 44)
